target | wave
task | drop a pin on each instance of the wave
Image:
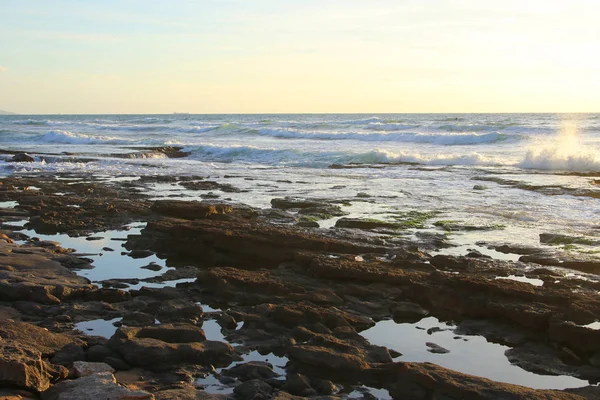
(35, 122)
(388, 157)
(66, 137)
(555, 159)
(410, 137)
(269, 156)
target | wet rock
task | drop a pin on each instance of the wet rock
(152, 267)
(140, 254)
(436, 348)
(367, 224)
(298, 384)
(138, 319)
(424, 381)
(408, 312)
(255, 389)
(93, 387)
(82, 368)
(291, 202)
(494, 331)
(190, 209)
(252, 370)
(162, 347)
(578, 337)
(22, 157)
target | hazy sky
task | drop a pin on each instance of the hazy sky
(234, 56)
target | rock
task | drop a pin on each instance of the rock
(253, 390)
(252, 370)
(436, 348)
(291, 202)
(152, 267)
(323, 357)
(22, 366)
(494, 331)
(82, 368)
(298, 384)
(138, 319)
(22, 157)
(190, 209)
(140, 254)
(94, 387)
(408, 312)
(164, 346)
(117, 363)
(99, 352)
(366, 224)
(68, 354)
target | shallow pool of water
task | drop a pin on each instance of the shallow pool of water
(468, 354)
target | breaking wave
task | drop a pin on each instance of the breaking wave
(66, 137)
(554, 159)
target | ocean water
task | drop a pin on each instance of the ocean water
(523, 174)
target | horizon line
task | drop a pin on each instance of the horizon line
(8, 113)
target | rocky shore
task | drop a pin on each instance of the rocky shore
(268, 285)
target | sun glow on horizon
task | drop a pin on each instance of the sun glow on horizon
(284, 57)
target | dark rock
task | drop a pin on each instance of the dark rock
(252, 370)
(98, 353)
(298, 384)
(408, 312)
(68, 354)
(436, 348)
(190, 209)
(255, 389)
(138, 319)
(22, 157)
(152, 267)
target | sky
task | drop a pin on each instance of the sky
(292, 56)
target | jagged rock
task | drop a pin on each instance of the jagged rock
(21, 365)
(94, 387)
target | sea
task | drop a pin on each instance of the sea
(514, 176)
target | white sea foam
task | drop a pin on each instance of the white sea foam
(563, 152)
(66, 137)
(316, 158)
